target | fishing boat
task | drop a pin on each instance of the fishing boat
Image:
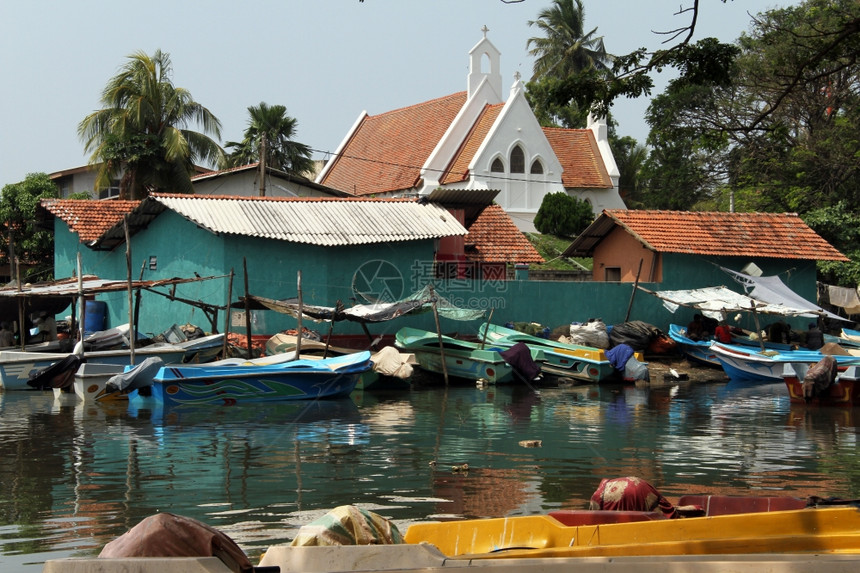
(844, 391)
(583, 363)
(201, 350)
(463, 359)
(272, 378)
(17, 367)
(392, 370)
(745, 364)
(780, 534)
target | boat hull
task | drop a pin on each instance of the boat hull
(216, 384)
(818, 530)
(583, 363)
(745, 365)
(16, 367)
(844, 392)
(465, 360)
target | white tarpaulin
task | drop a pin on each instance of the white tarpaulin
(719, 302)
(773, 291)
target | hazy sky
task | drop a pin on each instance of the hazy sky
(325, 60)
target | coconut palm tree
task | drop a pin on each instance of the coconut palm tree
(269, 136)
(142, 130)
(566, 49)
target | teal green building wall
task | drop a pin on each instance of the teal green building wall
(330, 274)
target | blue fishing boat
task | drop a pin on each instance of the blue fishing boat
(275, 378)
(746, 364)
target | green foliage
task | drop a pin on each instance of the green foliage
(270, 128)
(32, 245)
(563, 215)
(550, 248)
(566, 48)
(840, 227)
(142, 130)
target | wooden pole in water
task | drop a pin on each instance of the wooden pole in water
(137, 295)
(82, 302)
(633, 294)
(757, 326)
(299, 318)
(132, 328)
(22, 332)
(228, 317)
(247, 308)
(439, 335)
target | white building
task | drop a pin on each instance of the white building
(476, 139)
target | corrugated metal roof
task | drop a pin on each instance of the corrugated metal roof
(316, 221)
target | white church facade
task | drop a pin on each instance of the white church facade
(476, 139)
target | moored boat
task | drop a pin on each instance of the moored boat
(16, 367)
(745, 364)
(584, 363)
(463, 359)
(231, 381)
(844, 391)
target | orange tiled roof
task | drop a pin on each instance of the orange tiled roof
(458, 170)
(387, 151)
(88, 218)
(497, 240)
(777, 235)
(580, 158)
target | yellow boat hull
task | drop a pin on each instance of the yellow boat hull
(821, 530)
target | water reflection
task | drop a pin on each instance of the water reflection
(75, 475)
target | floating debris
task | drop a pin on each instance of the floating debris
(531, 443)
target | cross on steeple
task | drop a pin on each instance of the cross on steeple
(484, 29)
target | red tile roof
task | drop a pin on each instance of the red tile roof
(387, 151)
(88, 218)
(580, 158)
(776, 235)
(496, 239)
(458, 170)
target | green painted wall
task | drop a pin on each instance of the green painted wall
(330, 274)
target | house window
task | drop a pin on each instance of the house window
(111, 191)
(612, 274)
(518, 160)
(537, 167)
(497, 166)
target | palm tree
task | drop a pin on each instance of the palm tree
(269, 136)
(566, 49)
(141, 132)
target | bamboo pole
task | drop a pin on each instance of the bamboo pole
(299, 317)
(228, 317)
(633, 294)
(439, 335)
(132, 327)
(22, 332)
(247, 308)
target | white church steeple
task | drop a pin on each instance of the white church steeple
(484, 63)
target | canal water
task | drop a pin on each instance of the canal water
(74, 475)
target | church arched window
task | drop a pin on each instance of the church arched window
(537, 167)
(497, 166)
(518, 160)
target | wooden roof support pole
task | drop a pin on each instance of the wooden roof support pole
(132, 327)
(227, 317)
(633, 294)
(299, 317)
(247, 308)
